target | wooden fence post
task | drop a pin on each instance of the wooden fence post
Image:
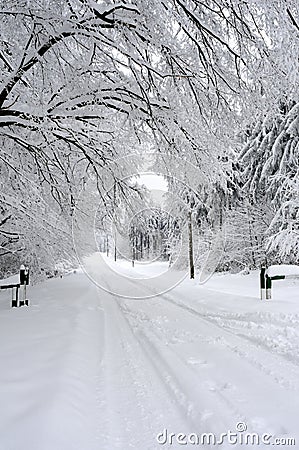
(24, 281)
(15, 297)
(262, 283)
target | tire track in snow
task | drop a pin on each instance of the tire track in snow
(254, 347)
(200, 404)
(233, 409)
(162, 363)
(137, 407)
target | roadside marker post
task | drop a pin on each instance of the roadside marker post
(24, 281)
(268, 287)
(22, 285)
(266, 280)
(15, 296)
(262, 283)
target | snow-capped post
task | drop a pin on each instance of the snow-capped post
(262, 283)
(22, 274)
(24, 281)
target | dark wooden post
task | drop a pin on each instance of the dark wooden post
(262, 283)
(15, 296)
(24, 281)
(268, 287)
(22, 274)
(25, 286)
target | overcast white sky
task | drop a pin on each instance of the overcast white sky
(152, 181)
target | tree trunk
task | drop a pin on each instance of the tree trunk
(191, 261)
(251, 232)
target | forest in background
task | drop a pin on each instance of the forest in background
(214, 83)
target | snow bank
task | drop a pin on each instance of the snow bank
(13, 279)
(283, 269)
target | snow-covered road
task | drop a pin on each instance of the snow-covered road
(83, 369)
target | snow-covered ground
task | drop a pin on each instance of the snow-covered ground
(82, 369)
